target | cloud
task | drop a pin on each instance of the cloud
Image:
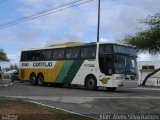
(107, 40)
(118, 18)
(148, 57)
(14, 58)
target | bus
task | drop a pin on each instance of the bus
(92, 64)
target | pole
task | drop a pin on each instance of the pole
(98, 27)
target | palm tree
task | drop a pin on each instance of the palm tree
(3, 57)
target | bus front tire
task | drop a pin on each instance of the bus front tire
(111, 89)
(40, 80)
(33, 79)
(91, 83)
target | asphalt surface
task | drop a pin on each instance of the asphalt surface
(91, 103)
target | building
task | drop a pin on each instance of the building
(146, 67)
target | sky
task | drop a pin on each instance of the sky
(118, 18)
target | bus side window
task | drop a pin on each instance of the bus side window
(58, 54)
(24, 56)
(35, 55)
(54, 54)
(88, 52)
(92, 52)
(32, 57)
(68, 53)
(46, 55)
(72, 53)
(84, 52)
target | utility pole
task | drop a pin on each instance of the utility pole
(98, 27)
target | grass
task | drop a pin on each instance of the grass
(30, 111)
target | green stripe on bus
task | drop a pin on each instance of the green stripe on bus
(64, 69)
(68, 71)
(72, 71)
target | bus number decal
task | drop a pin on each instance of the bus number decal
(25, 64)
(89, 65)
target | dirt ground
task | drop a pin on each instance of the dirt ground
(18, 109)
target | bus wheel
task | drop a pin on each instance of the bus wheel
(40, 80)
(91, 83)
(33, 79)
(111, 89)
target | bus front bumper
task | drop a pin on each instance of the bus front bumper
(128, 84)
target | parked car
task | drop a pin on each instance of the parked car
(14, 77)
(8, 74)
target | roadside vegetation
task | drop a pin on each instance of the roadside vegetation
(3, 56)
(147, 40)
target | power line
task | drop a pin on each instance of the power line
(44, 13)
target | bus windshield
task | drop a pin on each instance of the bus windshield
(117, 59)
(118, 64)
(124, 65)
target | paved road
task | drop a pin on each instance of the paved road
(93, 103)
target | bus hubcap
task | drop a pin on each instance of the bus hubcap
(40, 80)
(90, 83)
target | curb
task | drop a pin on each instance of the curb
(4, 83)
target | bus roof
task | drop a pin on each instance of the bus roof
(70, 44)
(60, 45)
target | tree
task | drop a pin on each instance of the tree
(13, 66)
(147, 40)
(3, 56)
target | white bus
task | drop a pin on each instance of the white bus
(89, 64)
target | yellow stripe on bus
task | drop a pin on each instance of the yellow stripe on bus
(50, 75)
(69, 44)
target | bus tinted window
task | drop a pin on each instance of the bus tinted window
(58, 54)
(35, 55)
(124, 49)
(84, 52)
(72, 53)
(46, 55)
(24, 56)
(105, 48)
(88, 52)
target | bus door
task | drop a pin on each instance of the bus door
(106, 63)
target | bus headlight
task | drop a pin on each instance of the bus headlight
(118, 77)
